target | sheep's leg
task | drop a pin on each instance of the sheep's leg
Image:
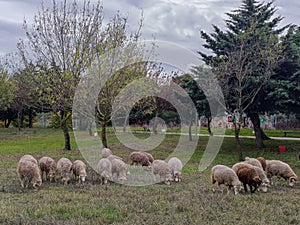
(245, 187)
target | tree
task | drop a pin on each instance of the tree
(245, 57)
(63, 40)
(283, 92)
(197, 95)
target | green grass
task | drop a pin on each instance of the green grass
(189, 202)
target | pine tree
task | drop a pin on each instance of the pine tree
(244, 57)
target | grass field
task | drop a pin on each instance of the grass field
(189, 202)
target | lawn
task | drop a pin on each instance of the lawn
(189, 202)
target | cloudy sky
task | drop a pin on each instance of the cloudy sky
(177, 21)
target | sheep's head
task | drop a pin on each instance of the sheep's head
(177, 177)
(51, 176)
(292, 181)
(264, 186)
(237, 188)
(65, 178)
(257, 181)
(82, 177)
(37, 183)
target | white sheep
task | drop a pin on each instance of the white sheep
(29, 172)
(48, 167)
(104, 168)
(119, 168)
(222, 174)
(79, 170)
(265, 182)
(176, 166)
(254, 162)
(281, 170)
(64, 169)
(161, 168)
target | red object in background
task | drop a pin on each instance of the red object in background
(281, 148)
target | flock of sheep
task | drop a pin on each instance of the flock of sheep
(253, 172)
(109, 167)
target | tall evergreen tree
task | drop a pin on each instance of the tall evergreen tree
(244, 57)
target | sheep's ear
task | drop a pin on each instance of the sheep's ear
(257, 179)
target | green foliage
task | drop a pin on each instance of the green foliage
(246, 54)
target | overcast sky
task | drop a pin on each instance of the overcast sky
(177, 21)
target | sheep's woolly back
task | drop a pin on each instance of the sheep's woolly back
(106, 152)
(224, 175)
(176, 166)
(254, 162)
(29, 158)
(29, 172)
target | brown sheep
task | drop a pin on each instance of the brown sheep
(248, 175)
(29, 172)
(64, 169)
(262, 162)
(48, 167)
(139, 158)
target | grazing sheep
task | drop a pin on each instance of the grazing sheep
(247, 175)
(254, 162)
(139, 158)
(29, 172)
(262, 162)
(222, 174)
(176, 166)
(48, 167)
(119, 168)
(265, 182)
(79, 170)
(104, 167)
(106, 152)
(162, 168)
(64, 169)
(281, 170)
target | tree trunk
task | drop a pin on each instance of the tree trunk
(7, 123)
(190, 131)
(208, 126)
(30, 115)
(259, 134)
(103, 134)
(65, 129)
(237, 141)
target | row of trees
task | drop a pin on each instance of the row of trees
(256, 63)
